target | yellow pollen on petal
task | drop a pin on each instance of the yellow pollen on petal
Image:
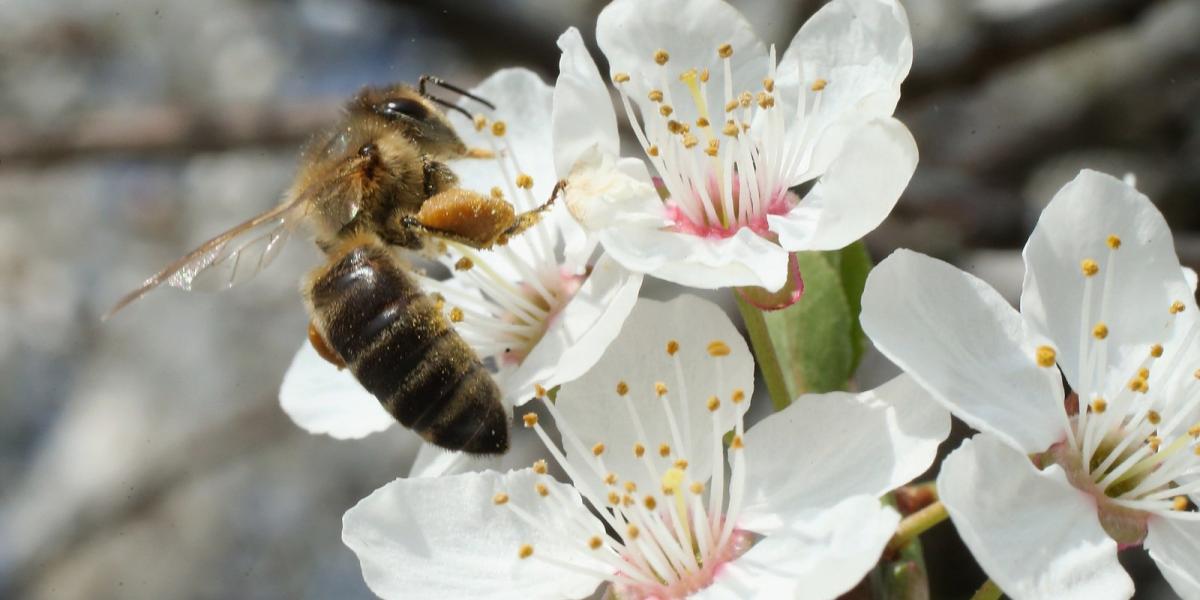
(539, 466)
(660, 389)
(738, 396)
(524, 181)
(500, 498)
(672, 347)
(665, 110)
(1156, 350)
(622, 388)
(610, 479)
(661, 56)
(598, 449)
(542, 490)
(664, 450)
(480, 122)
(595, 542)
(1153, 417)
(656, 95)
(1046, 356)
(621, 77)
(464, 264)
(650, 503)
(639, 450)
(632, 531)
(725, 50)
(530, 419)
(681, 464)
(1177, 307)
(1100, 331)
(652, 150)
(499, 128)
(696, 488)
(1179, 503)
(718, 348)
(525, 551)
(737, 443)
(819, 84)
(713, 403)
(1099, 405)
(1113, 242)
(1089, 267)
(456, 315)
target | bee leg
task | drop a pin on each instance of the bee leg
(411, 223)
(322, 347)
(530, 218)
(438, 177)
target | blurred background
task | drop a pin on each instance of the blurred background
(147, 457)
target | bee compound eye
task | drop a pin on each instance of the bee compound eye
(406, 107)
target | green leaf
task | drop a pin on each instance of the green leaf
(855, 266)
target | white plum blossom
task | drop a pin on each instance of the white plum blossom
(729, 129)
(1055, 484)
(656, 506)
(538, 309)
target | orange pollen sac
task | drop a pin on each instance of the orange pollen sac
(1153, 417)
(664, 450)
(633, 531)
(1179, 503)
(1089, 267)
(464, 264)
(1113, 242)
(819, 85)
(539, 390)
(1046, 356)
(697, 488)
(542, 490)
(672, 347)
(660, 389)
(738, 396)
(1177, 307)
(737, 443)
(718, 348)
(499, 128)
(630, 487)
(725, 50)
(610, 479)
(595, 542)
(713, 404)
(539, 466)
(681, 464)
(639, 450)
(621, 77)
(1156, 350)
(530, 419)
(598, 449)
(650, 503)
(500, 498)
(661, 57)
(1100, 331)
(1099, 405)
(525, 551)
(622, 388)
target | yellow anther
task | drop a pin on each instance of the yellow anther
(630, 487)
(632, 531)
(1099, 405)
(652, 150)
(610, 479)
(525, 551)
(681, 464)
(729, 106)
(672, 347)
(539, 466)
(768, 84)
(621, 77)
(498, 128)
(539, 391)
(497, 193)
(1100, 331)
(1177, 307)
(689, 76)
(614, 498)
(737, 443)
(738, 396)
(1196, 450)
(819, 84)
(661, 57)
(598, 449)
(1153, 417)
(622, 388)
(530, 419)
(627, 500)
(650, 503)
(696, 488)
(1143, 373)
(713, 404)
(656, 95)
(765, 100)
(1113, 242)
(1196, 374)
(1154, 442)
(704, 75)
(595, 542)
(725, 50)
(690, 141)
(542, 490)
(480, 122)
(1089, 267)
(672, 479)
(714, 147)
(660, 389)
(730, 129)
(1137, 384)
(1179, 503)
(1156, 350)
(500, 498)
(463, 264)
(702, 122)
(745, 98)
(718, 348)
(665, 110)
(456, 315)
(524, 181)
(676, 127)
(1046, 356)
(1194, 430)
(639, 450)
(664, 450)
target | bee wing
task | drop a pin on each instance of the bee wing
(229, 258)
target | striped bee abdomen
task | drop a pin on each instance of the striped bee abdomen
(401, 348)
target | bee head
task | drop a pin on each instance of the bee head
(414, 117)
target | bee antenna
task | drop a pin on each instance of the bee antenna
(452, 106)
(438, 81)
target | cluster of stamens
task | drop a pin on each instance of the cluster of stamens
(662, 543)
(721, 173)
(1133, 445)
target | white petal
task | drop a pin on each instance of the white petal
(1146, 271)
(444, 538)
(1175, 545)
(583, 112)
(863, 51)
(960, 340)
(321, 399)
(857, 192)
(825, 447)
(591, 407)
(743, 259)
(1033, 533)
(629, 33)
(579, 335)
(1190, 276)
(820, 557)
(603, 192)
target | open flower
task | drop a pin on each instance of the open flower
(729, 130)
(1106, 302)
(536, 308)
(796, 514)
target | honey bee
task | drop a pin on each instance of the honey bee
(374, 183)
